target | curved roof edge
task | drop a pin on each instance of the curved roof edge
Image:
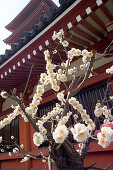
(27, 10)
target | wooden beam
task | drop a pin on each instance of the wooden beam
(106, 12)
(75, 39)
(31, 62)
(91, 28)
(74, 45)
(28, 69)
(95, 18)
(100, 45)
(83, 34)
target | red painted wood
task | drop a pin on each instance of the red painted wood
(76, 39)
(97, 20)
(83, 34)
(91, 28)
(106, 12)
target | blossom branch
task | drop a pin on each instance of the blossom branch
(75, 91)
(15, 98)
(40, 155)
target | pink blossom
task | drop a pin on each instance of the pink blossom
(110, 124)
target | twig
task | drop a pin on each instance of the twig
(98, 168)
(40, 155)
(99, 56)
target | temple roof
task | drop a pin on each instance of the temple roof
(29, 35)
(28, 10)
(86, 25)
(27, 17)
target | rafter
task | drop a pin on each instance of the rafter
(100, 45)
(91, 28)
(95, 18)
(106, 12)
(83, 34)
(74, 45)
(76, 39)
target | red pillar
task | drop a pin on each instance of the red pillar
(27, 143)
(24, 134)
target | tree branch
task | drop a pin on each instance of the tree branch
(15, 98)
(85, 149)
(75, 91)
(40, 155)
(98, 168)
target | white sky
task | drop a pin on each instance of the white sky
(8, 10)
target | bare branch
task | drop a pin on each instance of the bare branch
(98, 168)
(99, 56)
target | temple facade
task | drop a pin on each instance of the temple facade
(86, 25)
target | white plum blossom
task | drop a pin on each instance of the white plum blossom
(65, 43)
(109, 70)
(59, 35)
(70, 55)
(40, 89)
(10, 117)
(65, 119)
(78, 52)
(26, 158)
(70, 71)
(60, 96)
(38, 138)
(47, 55)
(90, 54)
(60, 133)
(84, 59)
(15, 150)
(82, 66)
(42, 130)
(98, 110)
(63, 78)
(85, 53)
(80, 132)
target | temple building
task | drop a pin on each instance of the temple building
(86, 25)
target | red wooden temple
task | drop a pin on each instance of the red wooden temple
(87, 24)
